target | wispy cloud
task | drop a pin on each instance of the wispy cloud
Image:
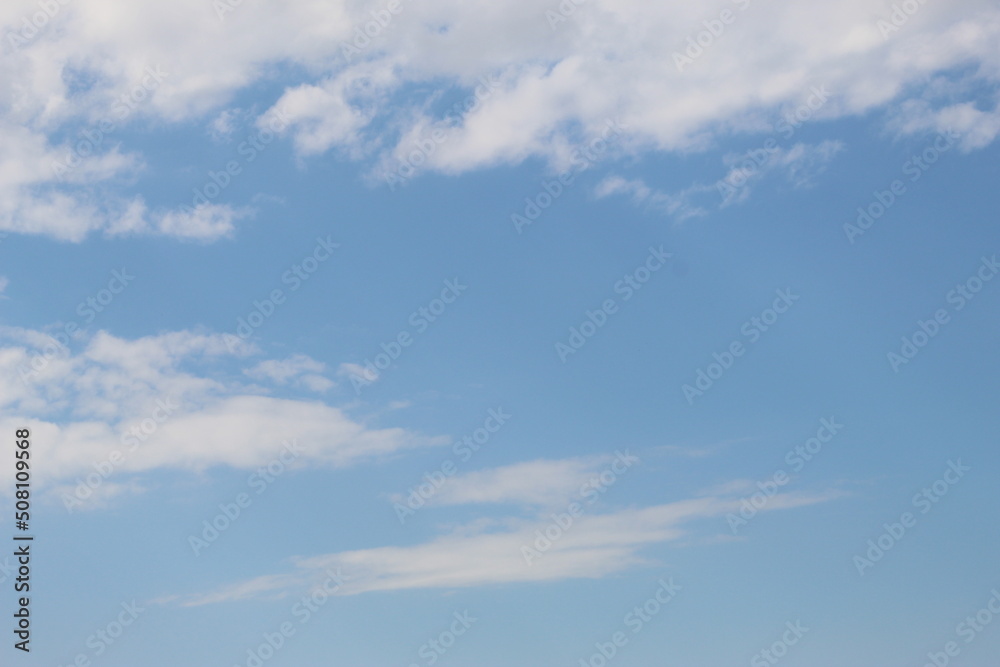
(490, 553)
(800, 164)
(541, 483)
(678, 205)
(297, 369)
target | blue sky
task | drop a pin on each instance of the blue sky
(502, 339)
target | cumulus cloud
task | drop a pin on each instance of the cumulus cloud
(158, 400)
(528, 86)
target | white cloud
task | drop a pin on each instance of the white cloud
(297, 369)
(334, 112)
(553, 89)
(489, 553)
(542, 483)
(143, 398)
(679, 205)
(800, 163)
(358, 372)
(976, 127)
(38, 196)
(225, 124)
(205, 222)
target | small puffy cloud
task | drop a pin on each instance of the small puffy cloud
(223, 125)
(333, 112)
(678, 205)
(541, 483)
(316, 383)
(297, 369)
(357, 372)
(964, 124)
(206, 222)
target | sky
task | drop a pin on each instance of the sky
(530, 334)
